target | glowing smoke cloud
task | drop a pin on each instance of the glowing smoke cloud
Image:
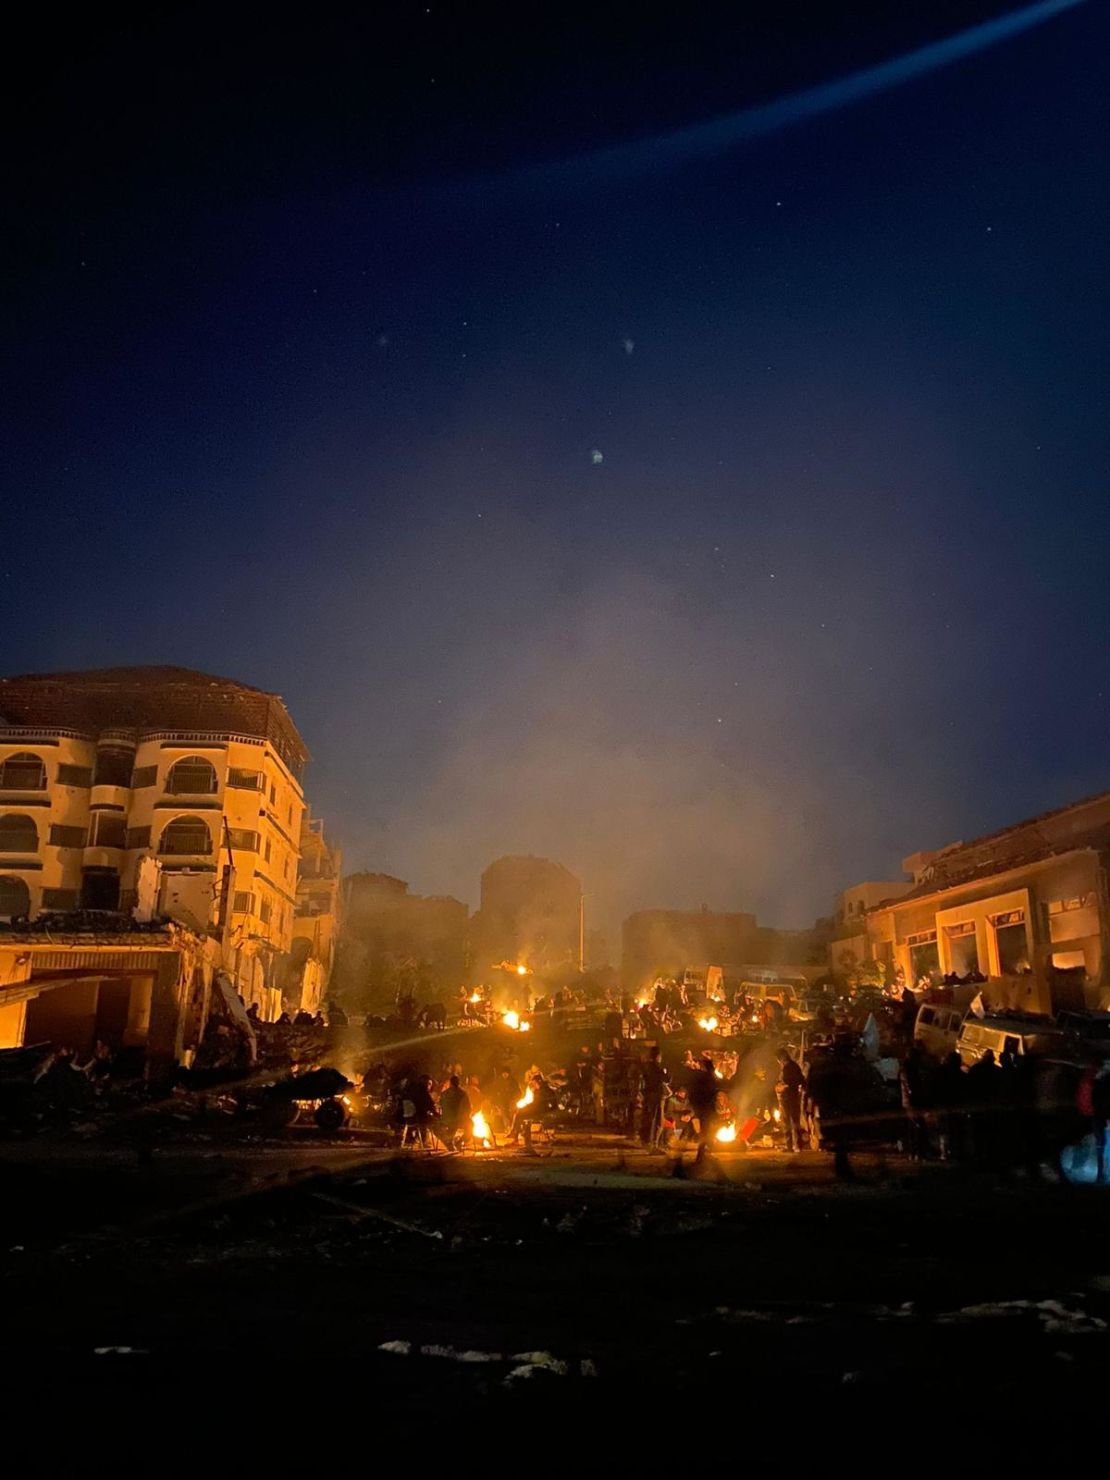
(702, 139)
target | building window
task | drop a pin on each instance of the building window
(264, 910)
(138, 837)
(18, 833)
(290, 814)
(193, 776)
(1012, 944)
(68, 837)
(963, 949)
(1069, 960)
(15, 898)
(243, 903)
(75, 775)
(184, 836)
(243, 839)
(108, 830)
(113, 767)
(143, 776)
(244, 780)
(23, 772)
(924, 956)
(59, 899)
(267, 850)
(273, 793)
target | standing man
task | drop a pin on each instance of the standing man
(703, 1101)
(653, 1083)
(912, 1081)
(791, 1087)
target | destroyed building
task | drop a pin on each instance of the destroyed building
(1026, 907)
(316, 921)
(133, 796)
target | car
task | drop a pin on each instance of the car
(1013, 1034)
(1089, 1029)
(937, 1028)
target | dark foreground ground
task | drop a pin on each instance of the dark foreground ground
(595, 1281)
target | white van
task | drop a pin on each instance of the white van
(1015, 1035)
(937, 1028)
(772, 991)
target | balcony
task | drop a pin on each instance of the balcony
(109, 795)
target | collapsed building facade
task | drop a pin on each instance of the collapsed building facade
(316, 921)
(1026, 907)
(147, 812)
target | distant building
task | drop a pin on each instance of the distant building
(531, 913)
(396, 941)
(1027, 907)
(664, 942)
(316, 921)
(148, 793)
(849, 943)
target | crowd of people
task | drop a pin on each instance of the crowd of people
(1017, 1110)
(625, 1087)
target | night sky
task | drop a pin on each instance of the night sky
(724, 515)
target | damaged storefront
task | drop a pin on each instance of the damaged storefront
(143, 991)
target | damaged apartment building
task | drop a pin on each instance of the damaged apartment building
(150, 840)
(1026, 907)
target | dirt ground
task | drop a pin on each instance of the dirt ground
(582, 1282)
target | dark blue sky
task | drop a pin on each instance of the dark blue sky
(308, 357)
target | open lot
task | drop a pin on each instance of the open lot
(601, 1273)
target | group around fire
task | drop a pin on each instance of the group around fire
(679, 1073)
(682, 1071)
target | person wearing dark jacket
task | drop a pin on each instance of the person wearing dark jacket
(454, 1109)
(842, 1086)
(703, 1100)
(951, 1088)
(418, 1092)
(790, 1088)
(503, 1095)
(653, 1088)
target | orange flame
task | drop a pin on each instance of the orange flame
(726, 1133)
(480, 1128)
(526, 1099)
